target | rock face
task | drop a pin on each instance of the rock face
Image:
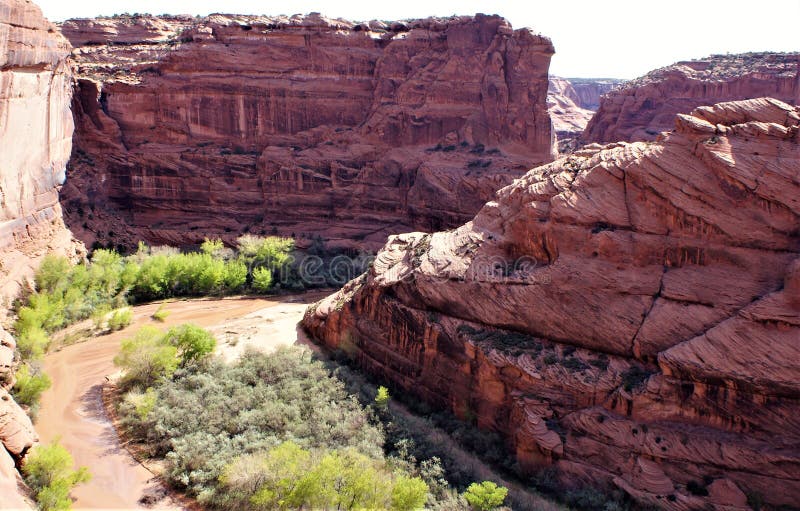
(35, 140)
(191, 127)
(643, 108)
(630, 314)
(572, 103)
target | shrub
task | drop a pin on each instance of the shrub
(49, 473)
(235, 275)
(262, 279)
(32, 343)
(192, 342)
(161, 314)
(409, 493)
(208, 416)
(119, 319)
(146, 358)
(30, 385)
(382, 399)
(52, 274)
(485, 496)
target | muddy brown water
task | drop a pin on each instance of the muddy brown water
(72, 408)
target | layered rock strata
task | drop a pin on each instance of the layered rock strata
(643, 108)
(572, 103)
(298, 125)
(629, 314)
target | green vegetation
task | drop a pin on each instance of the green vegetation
(485, 496)
(151, 356)
(382, 398)
(49, 472)
(119, 319)
(265, 432)
(161, 314)
(29, 386)
(102, 288)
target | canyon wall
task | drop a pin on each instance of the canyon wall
(35, 139)
(644, 107)
(628, 314)
(572, 103)
(303, 126)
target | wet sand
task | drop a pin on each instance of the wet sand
(72, 409)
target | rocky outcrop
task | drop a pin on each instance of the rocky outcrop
(305, 125)
(629, 314)
(572, 102)
(643, 108)
(35, 140)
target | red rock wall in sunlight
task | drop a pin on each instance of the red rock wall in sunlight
(217, 126)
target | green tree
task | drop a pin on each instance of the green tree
(409, 493)
(485, 496)
(212, 247)
(235, 275)
(32, 343)
(30, 385)
(52, 274)
(48, 470)
(147, 358)
(191, 341)
(382, 399)
(262, 279)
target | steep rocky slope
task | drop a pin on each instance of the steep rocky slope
(630, 314)
(644, 107)
(188, 127)
(35, 139)
(572, 103)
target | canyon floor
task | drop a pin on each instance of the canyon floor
(73, 410)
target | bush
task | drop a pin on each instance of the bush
(209, 415)
(382, 399)
(485, 496)
(262, 280)
(32, 343)
(29, 386)
(49, 473)
(161, 314)
(146, 358)
(119, 319)
(192, 342)
(409, 493)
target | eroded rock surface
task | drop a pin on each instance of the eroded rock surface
(35, 140)
(305, 125)
(630, 313)
(643, 108)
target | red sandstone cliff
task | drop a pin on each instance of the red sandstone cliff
(35, 140)
(189, 127)
(643, 108)
(647, 336)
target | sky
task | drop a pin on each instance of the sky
(593, 38)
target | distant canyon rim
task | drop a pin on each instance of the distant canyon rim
(627, 312)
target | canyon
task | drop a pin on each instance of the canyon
(628, 314)
(640, 109)
(334, 129)
(572, 102)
